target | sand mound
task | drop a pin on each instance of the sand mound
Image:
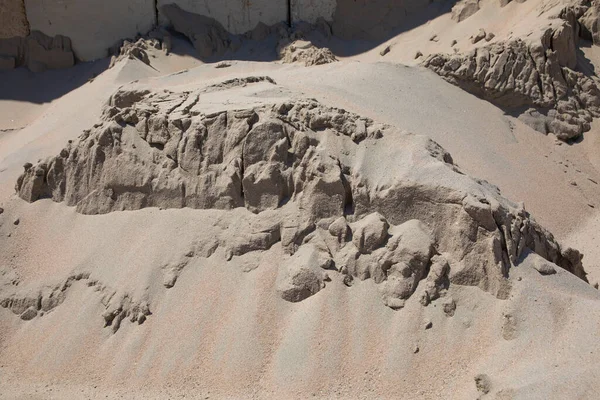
(303, 51)
(535, 71)
(138, 49)
(228, 230)
(341, 193)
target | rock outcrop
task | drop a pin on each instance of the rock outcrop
(340, 194)
(537, 73)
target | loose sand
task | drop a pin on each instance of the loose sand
(223, 328)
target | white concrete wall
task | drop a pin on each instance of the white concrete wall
(311, 10)
(93, 26)
(237, 16)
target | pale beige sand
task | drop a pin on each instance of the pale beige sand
(223, 333)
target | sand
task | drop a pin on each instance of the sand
(223, 329)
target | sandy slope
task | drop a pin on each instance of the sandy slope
(526, 165)
(437, 34)
(340, 343)
(224, 333)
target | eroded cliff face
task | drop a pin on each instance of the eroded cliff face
(329, 190)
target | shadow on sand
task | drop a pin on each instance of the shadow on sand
(23, 85)
(363, 38)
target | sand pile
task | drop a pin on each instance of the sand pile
(138, 49)
(305, 52)
(265, 230)
(308, 174)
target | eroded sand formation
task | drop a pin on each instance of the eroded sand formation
(215, 231)
(339, 192)
(305, 52)
(535, 72)
(34, 303)
(138, 50)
